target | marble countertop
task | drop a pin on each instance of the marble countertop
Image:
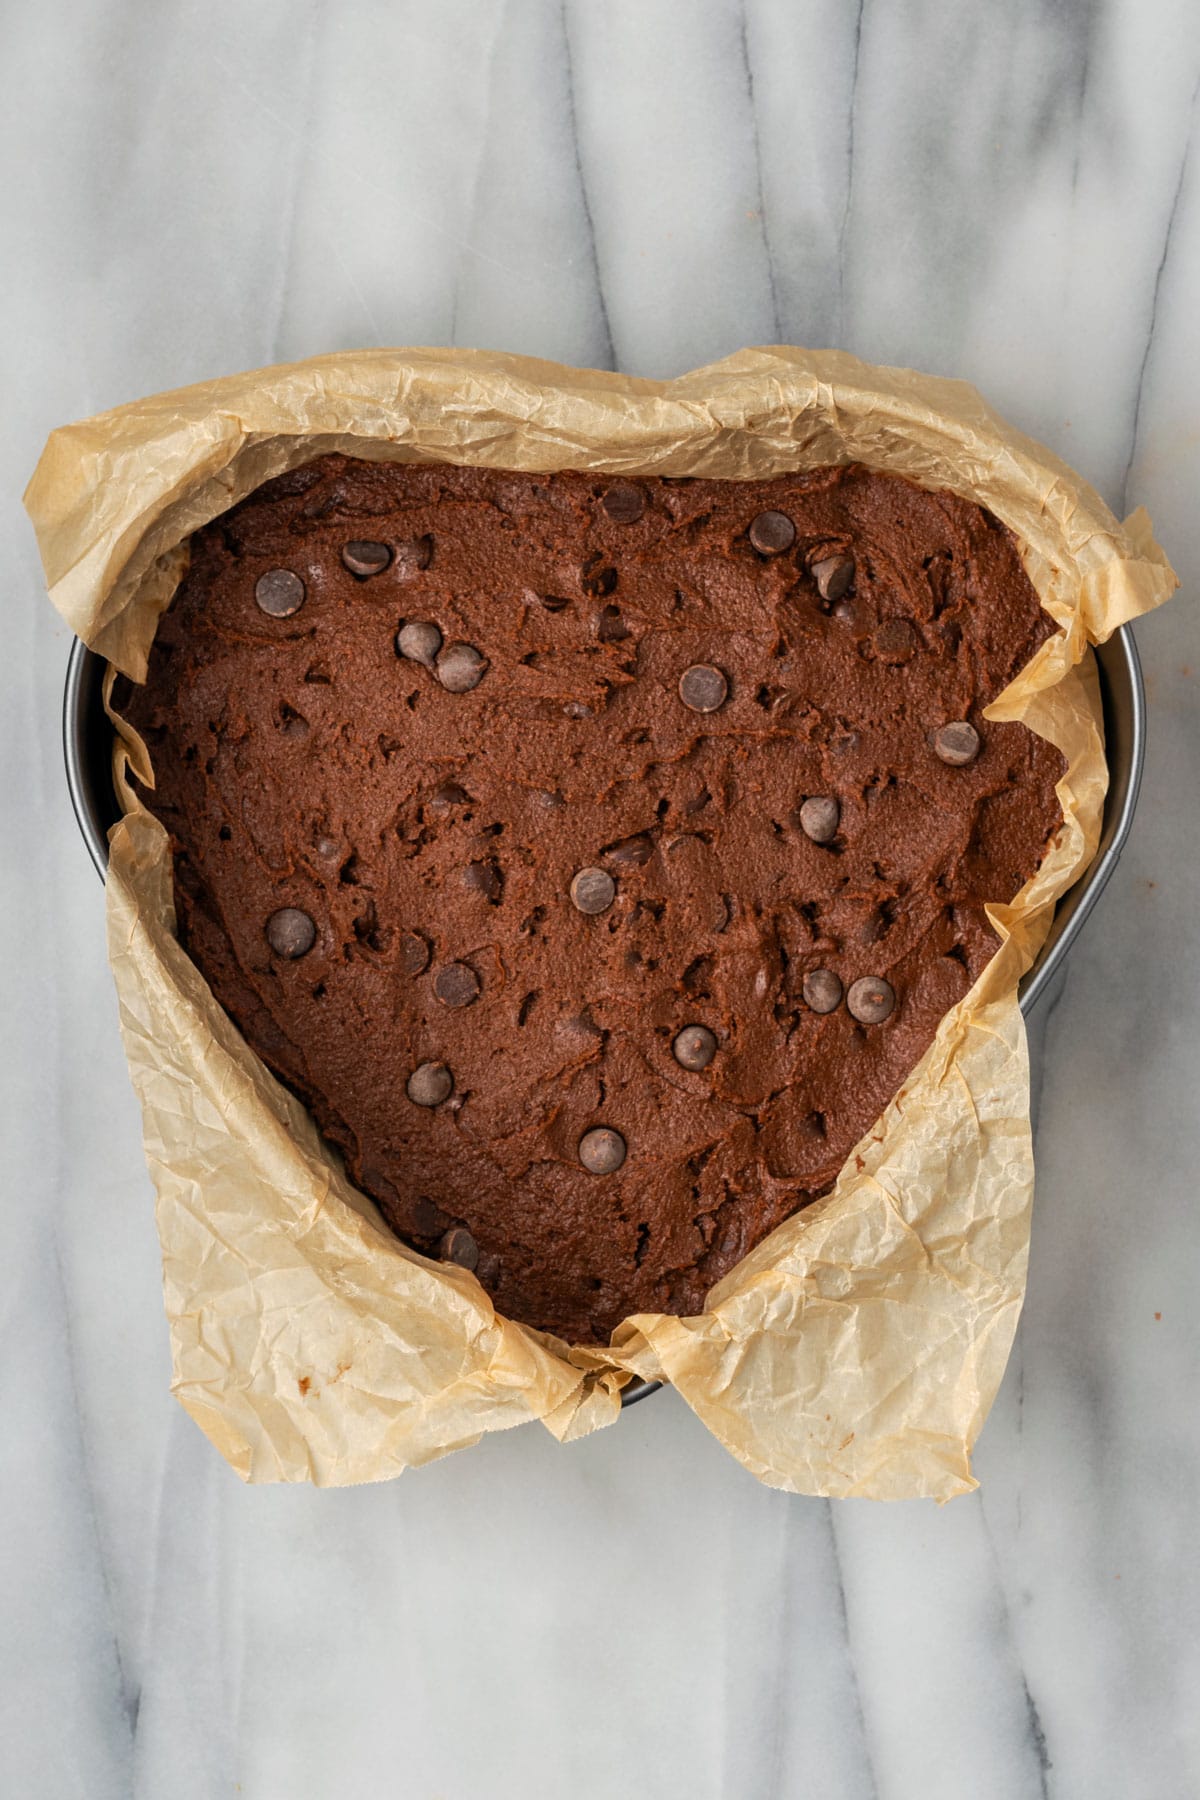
(1005, 192)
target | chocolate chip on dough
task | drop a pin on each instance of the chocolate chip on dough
(624, 502)
(819, 818)
(419, 640)
(694, 1047)
(771, 533)
(460, 667)
(601, 1150)
(593, 891)
(291, 933)
(456, 985)
(414, 953)
(870, 1000)
(429, 1084)
(630, 852)
(279, 593)
(957, 743)
(364, 558)
(703, 688)
(833, 576)
(822, 991)
(458, 1246)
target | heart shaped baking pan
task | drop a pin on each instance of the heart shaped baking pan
(87, 744)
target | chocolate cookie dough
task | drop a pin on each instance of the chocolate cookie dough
(595, 858)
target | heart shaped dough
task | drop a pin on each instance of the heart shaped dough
(595, 858)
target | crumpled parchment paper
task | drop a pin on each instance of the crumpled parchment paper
(857, 1350)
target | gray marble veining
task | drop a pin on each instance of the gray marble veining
(1010, 193)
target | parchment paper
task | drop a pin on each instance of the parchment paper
(858, 1349)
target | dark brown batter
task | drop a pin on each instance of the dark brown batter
(600, 919)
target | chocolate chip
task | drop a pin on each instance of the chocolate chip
(576, 709)
(290, 932)
(694, 1047)
(450, 793)
(956, 743)
(611, 627)
(429, 1084)
(458, 1246)
(414, 953)
(279, 593)
(422, 1216)
(895, 641)
(593, 891)
(845, 612)
(597, 578)
(456, 985)
(364, 558)
(485, 878)
(326, 848)
(412, 556)
(552, 603)
(601, 1151)
(419, 640)
(460, 667)
(550, 798)
(819, 818)
(833, 575)
(624, 502)
(822, 990)
(630, 852)
(703, 688)
(870, 999)
(771, 533)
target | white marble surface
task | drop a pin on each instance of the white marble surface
(1006, 191)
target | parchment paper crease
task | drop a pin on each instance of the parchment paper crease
(858, 1349)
